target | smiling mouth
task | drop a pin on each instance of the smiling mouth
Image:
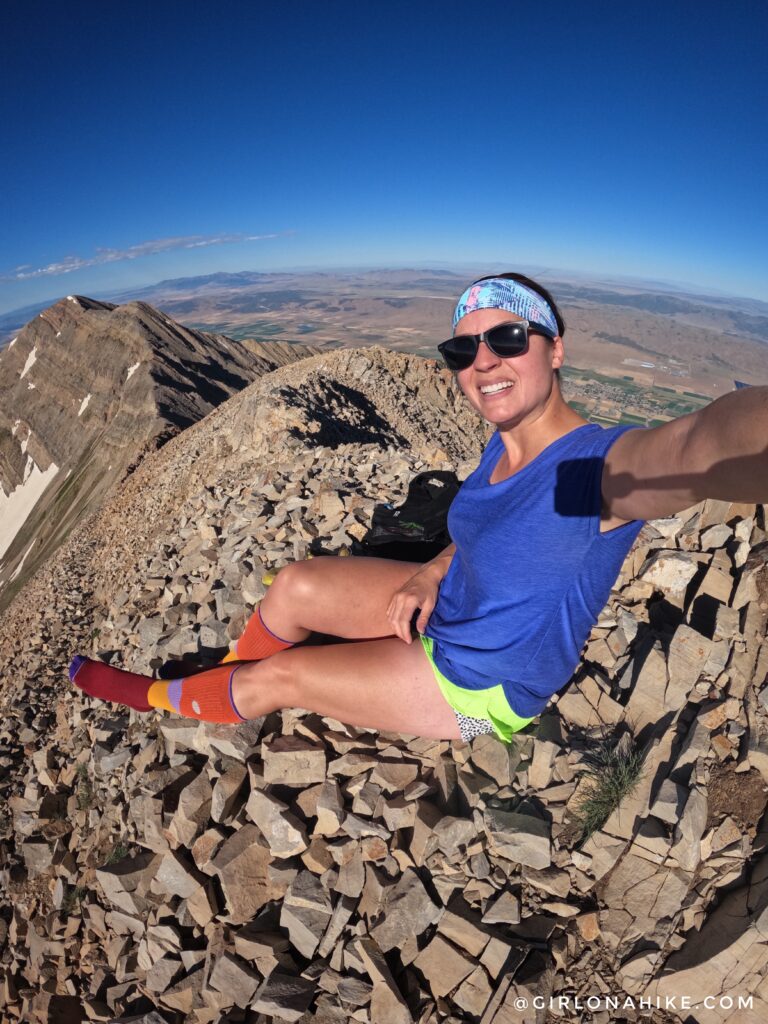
(502, 386)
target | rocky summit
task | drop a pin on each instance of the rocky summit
(293, 868)
(86, 389)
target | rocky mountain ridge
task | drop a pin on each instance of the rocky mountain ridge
(298, 869)
(86, 389)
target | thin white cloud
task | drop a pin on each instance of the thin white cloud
(134, 252)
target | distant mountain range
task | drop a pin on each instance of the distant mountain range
(750, 316)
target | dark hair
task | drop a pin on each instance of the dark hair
(536, 287)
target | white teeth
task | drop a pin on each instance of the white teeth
(489, 389)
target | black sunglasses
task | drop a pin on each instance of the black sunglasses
(505, 340)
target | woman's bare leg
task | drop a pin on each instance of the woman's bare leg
(377, 684)
(383, 684)
(344, 597)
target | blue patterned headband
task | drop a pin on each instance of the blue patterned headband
(501, 293)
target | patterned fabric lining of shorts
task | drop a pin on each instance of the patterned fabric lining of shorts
(469, 727)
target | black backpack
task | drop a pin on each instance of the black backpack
(417, 529)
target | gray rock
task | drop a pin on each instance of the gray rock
(227, 794)
(192, 813)
(213, 635)
(38, 856)
(408, 910)
(286, 997)
(387, 1003)
(176, 876)
(686, 849)
(688, 654)
(329, 808)
(283, 832)
(670, 571)
(292, 761)
(722, 956)
(670, 801)
(504, 910)
(647, 894)
(106, 761)
(497, 760)
(443, 965)
(162, 973)
(351, 876)
(235, 979)
(518, 837)
(453, 835)
(242, 865)
(125, 882)
(150, 630)
(716, 536)
(305, 927)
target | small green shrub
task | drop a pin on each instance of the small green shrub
(72, 899)
(117, 853)
(614, 767)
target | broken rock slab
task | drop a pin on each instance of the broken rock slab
(293, 761)
(235, 979)
(518, 837)
(242, 864)
(283, 831)
(670, 571)
(407, 910)
(387, 1004)
(443, 965)
(305, 912)
(645, 894)
(725, 958)
(284, 996)
(126, 882)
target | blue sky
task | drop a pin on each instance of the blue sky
(160, 139)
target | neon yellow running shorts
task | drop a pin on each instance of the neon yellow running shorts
(490, 704)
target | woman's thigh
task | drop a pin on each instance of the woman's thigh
(375, 684)
(344, 597)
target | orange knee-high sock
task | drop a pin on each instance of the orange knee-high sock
(257, 641)
(206, 696)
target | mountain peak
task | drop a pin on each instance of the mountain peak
(86, 389)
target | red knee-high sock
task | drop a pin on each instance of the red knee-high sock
(206, 696)
(107, 683)
(257, 641)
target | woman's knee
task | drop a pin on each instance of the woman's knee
(294, 584)
(264, 686)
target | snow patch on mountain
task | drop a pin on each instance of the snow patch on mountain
(31, 360)
(16, 506)
(17, 570)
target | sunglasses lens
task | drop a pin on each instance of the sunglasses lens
(508, 339)
(459, 352)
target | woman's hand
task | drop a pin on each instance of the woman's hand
(419, 592)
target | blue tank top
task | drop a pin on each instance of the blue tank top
(531, 573)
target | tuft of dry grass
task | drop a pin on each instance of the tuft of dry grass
(614, 766)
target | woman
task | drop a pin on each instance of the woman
(540, 530)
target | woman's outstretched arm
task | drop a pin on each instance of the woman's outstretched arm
(720, 451)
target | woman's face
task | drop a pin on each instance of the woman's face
(528, 377)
